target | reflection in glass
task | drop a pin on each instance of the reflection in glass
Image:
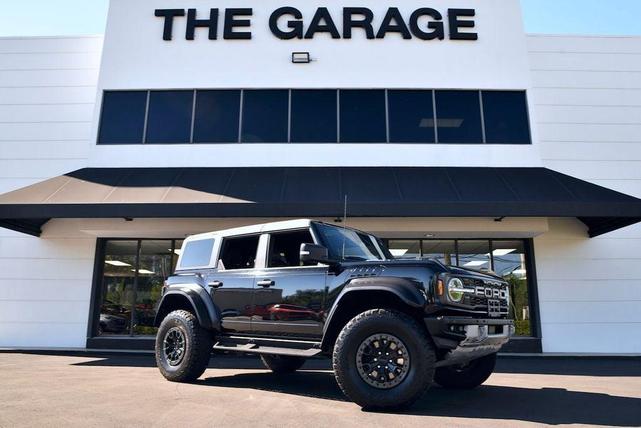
(411, 116)
(474, 255)
(443, 251)
(155, 267)
(117, 287)
(134, 272)
(459, 117)
(405, 248)
(510, 263)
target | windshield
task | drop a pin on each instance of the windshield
(349, 245)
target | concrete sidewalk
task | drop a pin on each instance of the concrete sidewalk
(121, 390)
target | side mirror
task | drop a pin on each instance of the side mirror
(312, 253)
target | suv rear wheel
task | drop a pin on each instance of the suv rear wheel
(383, 360)
(282, 363)
(466, 376)
(183, 347)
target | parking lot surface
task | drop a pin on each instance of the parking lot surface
(124, 390)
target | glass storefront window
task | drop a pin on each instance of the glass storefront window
(474, 255)
(405, 248)
(443, 251)
(133, 275)
(118, 278)
(506, 258)
(510, 262)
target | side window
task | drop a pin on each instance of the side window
(239, 253)
(284, 248)
(197, 253)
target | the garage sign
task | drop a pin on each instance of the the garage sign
(288, 23)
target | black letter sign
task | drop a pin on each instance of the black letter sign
(211, 23)
(296, 26)
(322, 14)
(365, 23)
(169, 15)
(393, 14)
(456, 24)
(437, 25)
(231, 22)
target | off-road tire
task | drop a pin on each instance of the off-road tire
(197, 349)
(282, 364)
(422, 359)
(468, 376)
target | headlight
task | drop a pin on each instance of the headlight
(455, 290)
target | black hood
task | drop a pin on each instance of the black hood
(433, 264)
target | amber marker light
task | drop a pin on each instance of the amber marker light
(440, 288)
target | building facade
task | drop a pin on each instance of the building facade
(446, 130)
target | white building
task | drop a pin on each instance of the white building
(488, 148)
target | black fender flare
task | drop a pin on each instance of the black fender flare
(406, 289)
(200, 301)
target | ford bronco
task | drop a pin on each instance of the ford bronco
(293, 290)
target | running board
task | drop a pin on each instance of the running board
(255, 348)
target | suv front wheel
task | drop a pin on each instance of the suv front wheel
(383, 360)
(183, 347)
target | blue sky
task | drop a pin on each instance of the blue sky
(67, 17)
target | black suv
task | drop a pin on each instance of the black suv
(299, 289)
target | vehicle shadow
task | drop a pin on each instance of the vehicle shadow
(546, 405)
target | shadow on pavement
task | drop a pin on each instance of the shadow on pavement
(610, 367)
(564, 366)
(548, 405)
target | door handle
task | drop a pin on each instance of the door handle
(215, 284)
(266, 283)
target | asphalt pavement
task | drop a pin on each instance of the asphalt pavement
(112, 390)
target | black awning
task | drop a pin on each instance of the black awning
(317, 192)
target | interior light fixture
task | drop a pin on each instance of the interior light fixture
(116, 263)
(144, 272)
(399, 252)
(503, 252)
(475, 263)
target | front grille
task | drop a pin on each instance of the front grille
(480, 303)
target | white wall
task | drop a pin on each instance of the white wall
(497, 60)
(47, 97)
(587, 99)
(45, 287)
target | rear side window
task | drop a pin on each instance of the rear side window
(239, 253)
(197, 253)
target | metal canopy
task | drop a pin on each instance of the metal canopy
(317, 192)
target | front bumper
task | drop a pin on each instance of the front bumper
(466, 339)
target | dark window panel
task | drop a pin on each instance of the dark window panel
(362, 115)
(123, 117)
(217, 116)
(506, 117)
(169, 119)
(411, 117)
(459, 117)
(314, 116)
(265, 116)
